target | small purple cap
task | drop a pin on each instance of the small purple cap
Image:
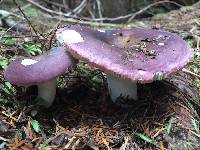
(32, 71)
(140, 55)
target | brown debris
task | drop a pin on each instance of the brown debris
(84, 118)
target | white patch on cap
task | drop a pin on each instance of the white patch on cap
(161, 44)
(141, 72)
(101, 30)
(70, 37)
(27, 62)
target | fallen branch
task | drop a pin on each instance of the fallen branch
(152, 5)
(131, 16)
(55, 12)
(95, 24)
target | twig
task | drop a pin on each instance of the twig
(152, 5)
(9, 116)
(4, 139)
(95, 24)
(132, 15)
(2, 36)
(196, 4)
(75, 144)
(53, 12)
(70, 142)
(18, 36)
(21, 47)
(196, 134)
(22, 8)
(125, 144)
(9, 14)
(197, 38)
(54, 137)
(29, 22)
(190, 72)
(52, 37)
(80, 7)
(91, 14)
(99, 9)
(59, 5)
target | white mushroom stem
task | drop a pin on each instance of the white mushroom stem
(47, 91)
(121, 87)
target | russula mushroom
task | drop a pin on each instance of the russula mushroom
(127, 56)
(41, 71)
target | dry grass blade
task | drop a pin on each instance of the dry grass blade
(190, 72)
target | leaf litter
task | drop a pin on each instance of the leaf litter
(83, 117)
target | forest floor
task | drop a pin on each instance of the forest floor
(83, 116)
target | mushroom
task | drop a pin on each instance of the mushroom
(41, 71)
(127, 56)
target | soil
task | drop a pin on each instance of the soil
(84, 117)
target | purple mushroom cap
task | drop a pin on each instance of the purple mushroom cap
(141, 55)
(26, 72)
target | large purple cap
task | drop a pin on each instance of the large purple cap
(26, 72)
(141, 55)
